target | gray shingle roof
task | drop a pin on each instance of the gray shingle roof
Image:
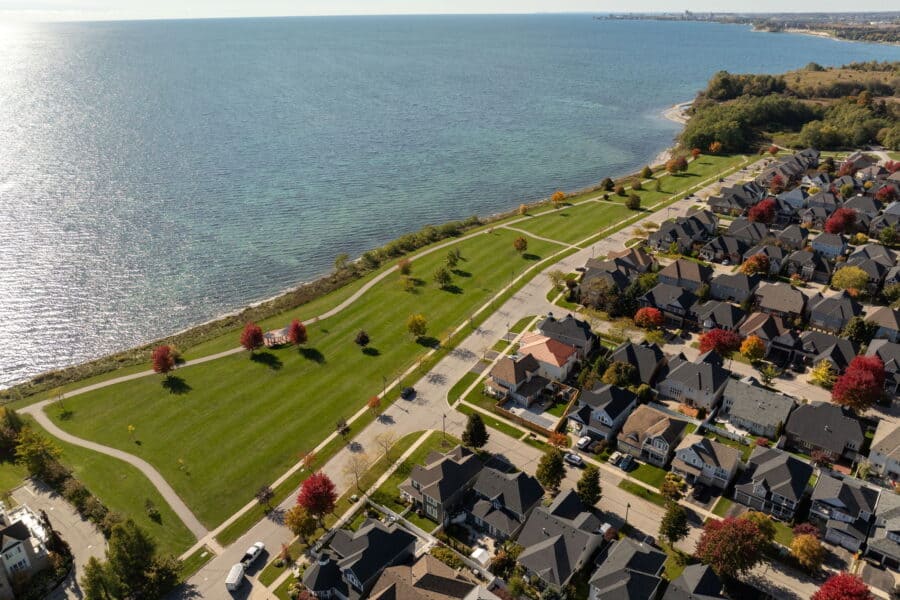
(824, 425)
(445, 474)
(778, 472)
(612, 399)
(696, 582)
(646, 356)
(371, 548)
(850, 493)
(705, 374)
(721, 314)
(630, 571)
(781, 297)
(756, 404)
(518, 492)
(687, 270)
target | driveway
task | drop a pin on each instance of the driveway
(877, 577)
(83, 537)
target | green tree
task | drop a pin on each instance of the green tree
(621, 374)
(646, 172)
(768, 373)
(588, 487)
(674, 524)
(762, 521)
(417, 325)
(633, 202)
(888, 236)
(859, 330)
(36, 451)
(551, 469)
(94, 583)
(607, 184)
(520, 244)
(452, 259)
(442, 277)
(475, 434)
(847, 278)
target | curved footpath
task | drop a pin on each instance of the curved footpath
(36, 410)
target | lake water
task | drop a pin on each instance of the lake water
(154, 175)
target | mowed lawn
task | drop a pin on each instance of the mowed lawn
(240, 423)
(573, 224)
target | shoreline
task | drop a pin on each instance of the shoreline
(316, 287)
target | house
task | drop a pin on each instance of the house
(723, 315)
(889, 353)
(871, 173)
(793, 237)
(884, 454)
(637, 257)
(23, 546)
(773, 482)
(825, 200)
(630, 570)
(602, 411)
(425, 579)
(794, 198)
(887, 321)
(701, 460)
(816, 346)
(890, 217)
(735, 199)
(875, 252)
(733, 287)
(809, 266)
(764, 326)
(705, 219)
(438, 487)
(749, 406)
(501, 501)
(775, 254)
(780, 299)
(569, 331)
(650, 435)
(830, 245)
(874, 270)
(559, 540)
(647, 357)
(355, 559)
(820, 180)
(857, 160)
(699, 383)
(516, 377)
(863, 205)
(555, 359)
(832, 313)
(686, 274)
(681, 233)
(696, 582)
(615, 274)
(884, 537)
(814, 217)
(723, 248)
(676, 304)
(786, 350)
(749, 232)
(846, 507)
(824, 427)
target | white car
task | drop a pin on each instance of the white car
(583, 442)
(573, 459)
(252, 554)
(615, 457)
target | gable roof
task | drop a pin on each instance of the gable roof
(646, 356)
(794, 234)
(567, 330)
(514, 370)
(885, 316)
(518, 492)
(886, 440)
(764, 326)
(839, 306)
(664, 294)
(696, 582)
(887, 520)
(726, 244)
(545, 349)
(426, 579)
(371, 548)
(630, 571)
(781, 297)
(687, 270)
(850, 493)
(777, 472)
(646, 422)
(637, 257)
(770, 251)
(737, 281)
(834, 240)
(445, 474)
(609, 398)
(824, 425)
(705, 374)
(825, 346)
(710, 451)
(721, 314)
(756, 404)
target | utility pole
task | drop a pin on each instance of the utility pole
(444, 426)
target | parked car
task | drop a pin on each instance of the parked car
(615, 457)
(573, 459)
(252, 554)
(407, 393)
(700, 492)
(583, 442)
(625, 463)
(235, 578)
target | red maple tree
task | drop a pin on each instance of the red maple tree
(773, 149)
(762, 212)
(861, 385)
(892, 166)
(841, 220)
(723, 341)
(731, 546)
(317, 495)
(887, 193)
(648, 317)
(846, 169)
(695, 152)
(758, 264)
(163, 359)
(251, 336)
(297, 332)
(843, 586)
(776, 186)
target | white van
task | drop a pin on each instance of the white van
(235, 578)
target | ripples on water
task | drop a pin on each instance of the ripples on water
(156, 174)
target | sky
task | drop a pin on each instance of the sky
(42, 10)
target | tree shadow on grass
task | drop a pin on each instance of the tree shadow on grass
(370, 351)
(312, 354)
(66, 414)
(268, 359)
(453, 289)
(428, 341)
(176, 385)
(461, 273)
(528, 256)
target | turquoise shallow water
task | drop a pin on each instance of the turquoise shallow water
(156, 174)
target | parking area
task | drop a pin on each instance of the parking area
(83, 537)
(878, 577)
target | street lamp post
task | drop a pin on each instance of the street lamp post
(627, 506)
(444, 426)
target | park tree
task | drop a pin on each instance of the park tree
(841, 220)
(758, 264)
(723, 341)
(607, 184)
(452, 259)
(762, 212)
(356, 466)
(588, 486)
(859, 330)
(695, 153)
(808, 551)
(475, 435)
(386, 440)
(442, 277)
(850, 278)
(317, 495)
(823, 374)
(753, 348)
(620, 374)
(843, 586)
(861, 385)
(646, 172)
(551, 469)
(674, 524)
(558, 198)
(649, 318)
(252, 337)
(633, 202)
(36, 452)
(676, 164)
(264, 496)
(417, 325)
(715, 147)
(730, 546)
(520, 244)
(163, 359)
(620, 190)
(297, 333)
(776, 186)
(773, 149)
(636, 184)
(301, 523)
(374, 404)
(362, 339)
(404, 265)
